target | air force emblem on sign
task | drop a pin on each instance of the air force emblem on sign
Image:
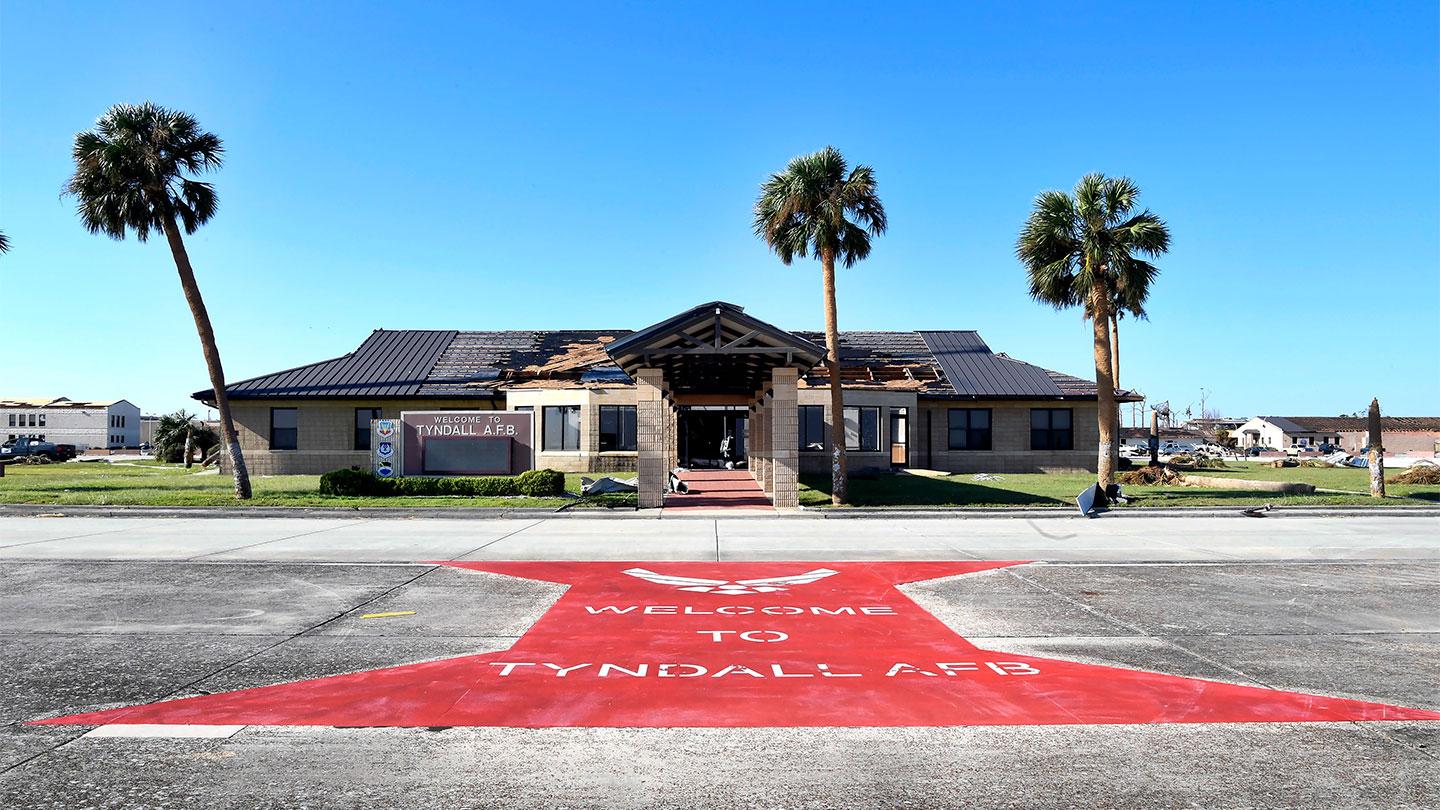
(731, 587)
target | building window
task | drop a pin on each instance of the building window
(12, 420)
(284, 428)
(862, 429)
(32, 420)
(1050, 429)
(362, 426)
(812, 427)
(42, 420)
(969, 429)
(617, 427)
(562, 427)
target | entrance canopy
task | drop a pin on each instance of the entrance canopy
(714, 348)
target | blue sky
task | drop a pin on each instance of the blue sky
(466, 166)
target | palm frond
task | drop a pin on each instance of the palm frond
(818, 205)
(131, 171)
(1072, 245)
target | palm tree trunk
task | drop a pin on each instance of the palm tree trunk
(189, 451)
(212, 356)
(1104, 386)
(1115, 348)
(1115, 375)
(839, 481)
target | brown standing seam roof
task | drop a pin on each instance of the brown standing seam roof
(973, 370)
(419, 364)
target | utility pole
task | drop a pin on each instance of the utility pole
(1377, 452)
(1204, 395)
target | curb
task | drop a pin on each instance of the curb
(803, 513)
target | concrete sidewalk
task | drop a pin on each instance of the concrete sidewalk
(361, 539)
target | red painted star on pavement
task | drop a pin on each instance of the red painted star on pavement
(744, 644)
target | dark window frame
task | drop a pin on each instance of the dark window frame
(362, 434)
(861, 446)
(559, 410)
(806, 440)
(975, 438)
(1051, 437)
(294, 433)
(621, 437)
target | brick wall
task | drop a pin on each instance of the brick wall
(1010, 439)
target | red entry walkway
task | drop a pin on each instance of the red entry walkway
(719, 489)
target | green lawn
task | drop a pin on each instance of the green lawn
(151, 484)
(164, 485)
(1060, 489)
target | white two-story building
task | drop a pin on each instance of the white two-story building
(107, 424)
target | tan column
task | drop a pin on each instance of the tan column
(673, 443)
(752, 441)
(650, 419)
(765, 450)
(785, 439)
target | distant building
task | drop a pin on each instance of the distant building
(106, 424)
(148, 423)
(1403, 435)
(1140, 436)
(1210, 425)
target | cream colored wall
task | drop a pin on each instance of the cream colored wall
(588, 458)
(818, 461)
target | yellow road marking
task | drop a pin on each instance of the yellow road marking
(388, 615)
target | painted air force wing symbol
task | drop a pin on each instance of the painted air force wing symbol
(731, 587)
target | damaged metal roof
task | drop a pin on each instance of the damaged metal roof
(419, 364)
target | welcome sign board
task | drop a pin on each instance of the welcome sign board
(440, 443)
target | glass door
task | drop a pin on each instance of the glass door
(899, 437)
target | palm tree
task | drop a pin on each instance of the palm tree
(1083, 250)
(131, 175)
(819, 206)
(178, 434)
(4, 243)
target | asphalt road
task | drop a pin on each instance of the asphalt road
(99, 613)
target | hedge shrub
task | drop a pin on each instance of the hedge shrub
(357, 482)
(541, 483)
(353, 481)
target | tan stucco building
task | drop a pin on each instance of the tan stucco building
(670, 394)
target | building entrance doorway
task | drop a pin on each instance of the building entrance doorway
(703, 429)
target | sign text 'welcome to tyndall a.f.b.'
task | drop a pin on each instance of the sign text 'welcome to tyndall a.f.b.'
(744, 644)
(440, 443)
